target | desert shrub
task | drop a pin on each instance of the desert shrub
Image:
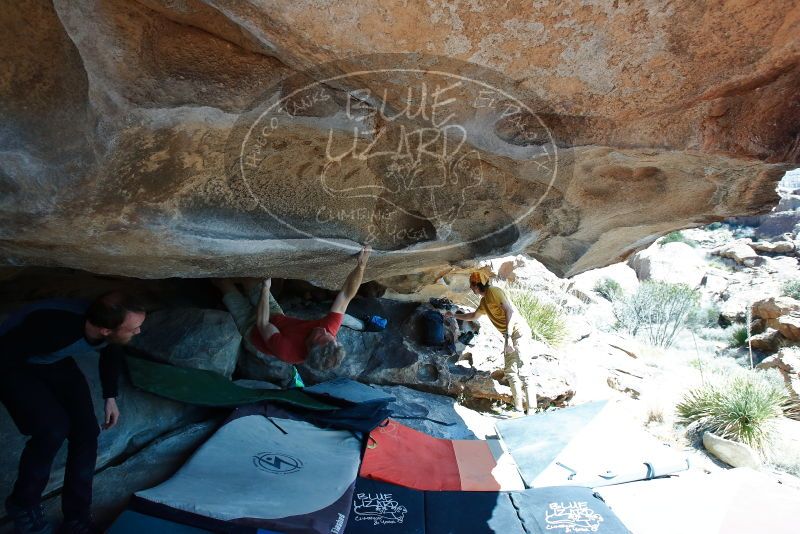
(677, 237)
(723, 264)
(655, 414)
(743, 408)
(657, 311)
(608, 288)
(546, 320)
(739, 338)
(791, 289)
(705, 317)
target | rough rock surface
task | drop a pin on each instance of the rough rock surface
(789, 327)
(672, 262)
(747, 285)
(741, 252)
(123, 123)
(191, 337)
(784, 451)
(774, 247)
(768, 341)
(787, 361)
(620, 273)
(774, 307)
(397, 356)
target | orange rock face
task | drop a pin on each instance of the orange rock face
(155, 138)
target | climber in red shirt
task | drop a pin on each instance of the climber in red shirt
(298, 341)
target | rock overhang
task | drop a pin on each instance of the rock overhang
(127, 157)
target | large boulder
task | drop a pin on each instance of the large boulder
(143, 418)
(397, 356)
(619, 273)
(788, 202)
(774, 247)
(774, 307)
(784, 451)
(767, 341)
(715, 282)
(138, 136)
(191, 337)
(789, 327)
(674, 262)
(787, 362)
(741, 252)
(776, 224)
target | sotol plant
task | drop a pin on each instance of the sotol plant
(739, 337)
(545, 320)
(743, 408)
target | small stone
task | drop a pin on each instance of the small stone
(731, 452)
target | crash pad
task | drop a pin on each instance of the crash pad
(278, 474)
(207, 388)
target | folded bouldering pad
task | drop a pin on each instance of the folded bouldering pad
(740, 501)
(380, 507)
(401, 455)
(476, 512)
(269, 473)
(130, 522)
(350, 390)
(588, 445)
(207, 388)
(565, 510)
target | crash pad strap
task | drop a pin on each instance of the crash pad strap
(207, 388)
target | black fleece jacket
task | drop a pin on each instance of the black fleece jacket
(44, 332)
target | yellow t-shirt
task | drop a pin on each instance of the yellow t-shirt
(492, 305)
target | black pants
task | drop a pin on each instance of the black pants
(51, 403)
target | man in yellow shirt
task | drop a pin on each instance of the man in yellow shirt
(517, 337)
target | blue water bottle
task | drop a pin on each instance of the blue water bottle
(377, 322)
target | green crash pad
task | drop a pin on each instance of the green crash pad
(207, 388)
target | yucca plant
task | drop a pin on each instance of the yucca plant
(677, 237)
(744, 408)
(545, 320)
(739, 337)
